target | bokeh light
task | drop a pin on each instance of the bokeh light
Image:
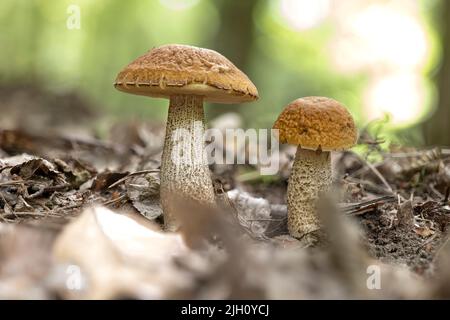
(387, 41)
(304, 14)
(350, 50)
(381, 36)
(178, 4)
(400, 95)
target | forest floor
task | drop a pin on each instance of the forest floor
(80, 218)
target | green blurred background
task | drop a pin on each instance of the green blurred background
(386, 60)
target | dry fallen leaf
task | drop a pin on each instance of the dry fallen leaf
(103, 180)
(424, 232)
(121, 255)
(144, 195)
(253, 213)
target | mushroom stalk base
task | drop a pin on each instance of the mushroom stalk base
(311, 175)
(184, 165)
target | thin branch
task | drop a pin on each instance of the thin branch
(137, 173)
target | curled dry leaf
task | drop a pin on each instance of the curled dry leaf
(16, 160)
(56, 172)
(76, 172)
(144, 195)
(36, 167)
(253, 213)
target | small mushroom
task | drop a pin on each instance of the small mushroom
(317, 125)
(187, 76)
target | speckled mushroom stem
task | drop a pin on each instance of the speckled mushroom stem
(184, 163)
(311, 175)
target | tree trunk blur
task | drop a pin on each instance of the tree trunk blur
(236, 33)
(236, 30)
(437, 128)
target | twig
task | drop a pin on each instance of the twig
(366, 206)
(435, 191)
(379, 175)
(364, 169)
(114, 200)
(426, 242)
(72, 206)
(416, 154)
(47, 189)
(23, 213)
(137, 173)
(25, 203)
(13, 182)
(57, 212)
(371, 185)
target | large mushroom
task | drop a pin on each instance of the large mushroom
(317, 125)
(188, 76)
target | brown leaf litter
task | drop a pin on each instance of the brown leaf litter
(80, 218)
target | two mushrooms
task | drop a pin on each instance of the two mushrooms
(189, 76)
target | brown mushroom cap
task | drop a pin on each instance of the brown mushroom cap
(317, 122)
(179, 69)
